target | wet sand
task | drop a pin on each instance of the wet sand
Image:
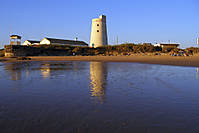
(192, 61)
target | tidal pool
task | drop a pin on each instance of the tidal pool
(98, 97)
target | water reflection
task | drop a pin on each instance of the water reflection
(53, 69)
(133, 97)
(98, 73)
(197, 73)
(98, 77)
(47, 69)
(14, 70)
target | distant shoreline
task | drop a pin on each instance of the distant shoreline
(192, 61)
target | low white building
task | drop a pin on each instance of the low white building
(31, 42)
(53, 41)
(169, 45)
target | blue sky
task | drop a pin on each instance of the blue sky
(131, 20)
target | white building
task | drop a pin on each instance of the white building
(99, 32)
(31, 42)
(53, 41)
(169, 45)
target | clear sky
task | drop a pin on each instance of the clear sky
(131, 20)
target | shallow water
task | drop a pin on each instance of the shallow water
(82, 97)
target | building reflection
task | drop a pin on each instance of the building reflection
(20, 70)
(197, 73)
(45, 70)
(14, 71)
(49, 69)
(98, 77)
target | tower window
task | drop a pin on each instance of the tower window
(97, 24)
(97, 30)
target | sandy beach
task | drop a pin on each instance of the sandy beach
(192, 61)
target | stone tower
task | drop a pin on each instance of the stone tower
(99, 32)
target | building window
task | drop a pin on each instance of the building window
(97, 30)
(97, 24)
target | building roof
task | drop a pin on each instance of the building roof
(32, 41)
(15, 36)
(61, 41)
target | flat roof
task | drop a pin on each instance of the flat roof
(15, 36)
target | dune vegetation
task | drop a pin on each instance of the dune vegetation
(110, 50)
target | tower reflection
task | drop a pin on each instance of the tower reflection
(197, 73)
(98, 77)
